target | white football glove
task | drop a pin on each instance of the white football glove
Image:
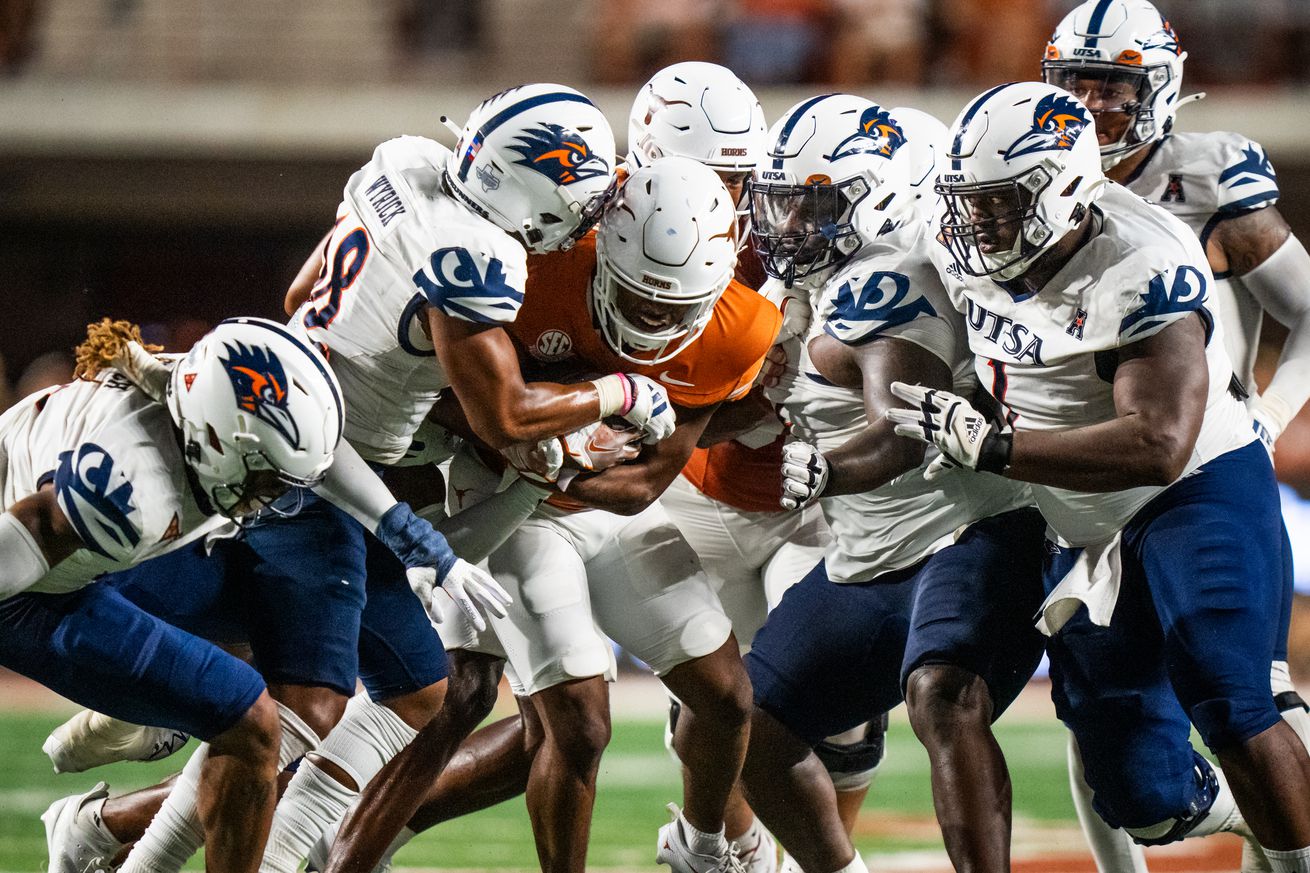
(804, 475)
(540, 461)
(472, 589)
(961, 433)
(793, 303)
(649, 408)
(598, 446)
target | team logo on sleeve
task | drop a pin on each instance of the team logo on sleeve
(1057, 122)
(558, 154)
(97, 499)
(878, 134)
(260, 384)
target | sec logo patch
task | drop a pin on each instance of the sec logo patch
(553, 345)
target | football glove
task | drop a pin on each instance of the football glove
(649, 408)
(961, 433)
(804, 475)
(431, 563)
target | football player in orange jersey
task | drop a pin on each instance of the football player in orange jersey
(653, 289)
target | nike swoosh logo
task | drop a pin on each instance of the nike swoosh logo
(665, 377)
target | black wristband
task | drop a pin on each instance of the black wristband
(994, 455)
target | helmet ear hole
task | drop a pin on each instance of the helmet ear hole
(214, 442)
(550, 218)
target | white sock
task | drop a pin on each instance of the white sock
(702, 843)
(102, 839)
(1112, 848)
(1224, 814)
(403, 839)
(1291, 861)
(312, 802)
(367, 737)
(855, 866)
(174, 834)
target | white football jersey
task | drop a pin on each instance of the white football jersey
(891, 291)
(1049, 358)
(400, 244)
(112, 455)
(1203, 178)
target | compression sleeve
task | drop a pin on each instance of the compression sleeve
(479, 530)
(353, 486)
(1282, 286)
(20, 556)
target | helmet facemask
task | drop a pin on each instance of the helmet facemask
(802, 231)
(997, 228)
(621, 302)
(1119, 96)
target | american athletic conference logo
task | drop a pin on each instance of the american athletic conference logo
(552, 345)
(1058, 120)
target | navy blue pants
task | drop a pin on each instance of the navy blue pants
(834, 655)
(1190, 640)
(103, 652)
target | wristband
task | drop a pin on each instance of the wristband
(616, 394)
(994, 453)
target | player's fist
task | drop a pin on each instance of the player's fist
(599, 446)
(648, 407)
(540, 461)
(961, 433)
(804, 475)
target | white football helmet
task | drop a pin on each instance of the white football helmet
(700, 111)
(837, 174)
(926, 141)
(665, 250)
(537, 161)
(1122, 59)
(1022, 164)
(259, 410)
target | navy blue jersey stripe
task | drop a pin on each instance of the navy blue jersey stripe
(1094, 25)
(505, 115)
(790, 125)
(964, 123)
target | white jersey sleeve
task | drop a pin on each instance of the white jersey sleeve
(1171, 294)
(893, 292)
(1247, 180)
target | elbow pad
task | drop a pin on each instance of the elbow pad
(21, 558)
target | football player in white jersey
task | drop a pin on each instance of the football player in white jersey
(902, 602)
(119, 467)
(1124, 61)
(1089, 319)
(653, 288)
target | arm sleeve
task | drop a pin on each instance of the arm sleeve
(20, 556)
(1282, 286)
(481, 529)
(353, 487)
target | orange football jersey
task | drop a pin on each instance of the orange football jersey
(735, 474)
(555, 324)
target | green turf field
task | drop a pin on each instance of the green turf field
(637, 780)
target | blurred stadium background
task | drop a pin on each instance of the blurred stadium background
(174, 161)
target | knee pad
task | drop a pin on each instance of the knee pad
(367, 737)
(1173, 829)
(852, 758)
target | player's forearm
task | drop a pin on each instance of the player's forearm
(534, 411)
(354, 488)
(1127, 452)
(626, 489)
(734, 419)
(34, 536)
(478, 531)
(870, 460)
(1281, 283)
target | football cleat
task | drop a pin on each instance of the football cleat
(673, 849)
(90, 739)
(74, 840)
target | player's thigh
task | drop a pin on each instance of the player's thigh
(190, 588)
(800, 545)
(651, 596)
(302, 579)
(1210, 549)
(828, 657)
(975, 603)
(99, 650)
(399, 651)
(549, 635)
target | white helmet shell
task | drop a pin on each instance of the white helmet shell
(700, 111)
(926, 141)
(538, 162)
(837, 174)
(1020, 153)
(1119, 56)
(668, 239)
(251, 397)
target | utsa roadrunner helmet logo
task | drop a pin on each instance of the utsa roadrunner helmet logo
(260, 384)
(558, 154)
(1057, 122)
(1165, 38)
(879, 134)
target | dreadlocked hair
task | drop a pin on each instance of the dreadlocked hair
(119, 345)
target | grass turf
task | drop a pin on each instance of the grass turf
(637, 779)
